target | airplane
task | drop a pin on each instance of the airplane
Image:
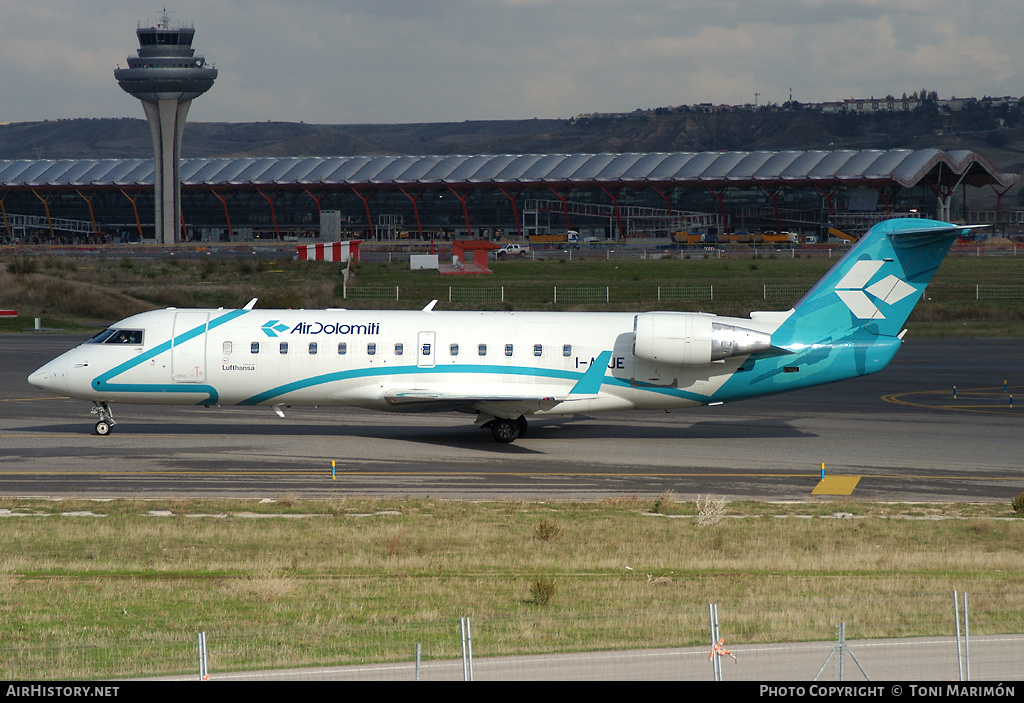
(507, 367)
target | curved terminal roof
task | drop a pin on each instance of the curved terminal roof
(796, 168)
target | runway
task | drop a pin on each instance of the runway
(902, 432)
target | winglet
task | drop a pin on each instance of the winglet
(251, 304)
(591, 381)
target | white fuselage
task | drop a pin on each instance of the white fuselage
(503, 364)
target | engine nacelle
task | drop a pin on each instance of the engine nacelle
(689, 339)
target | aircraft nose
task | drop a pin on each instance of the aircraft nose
(52, 376)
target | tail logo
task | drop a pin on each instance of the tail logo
(853, 290)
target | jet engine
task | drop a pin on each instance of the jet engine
(688, 339)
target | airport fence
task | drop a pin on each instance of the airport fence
(991, 291)
(779, 295)
(712, 251)
(536, 645)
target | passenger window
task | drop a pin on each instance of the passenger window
(400, 349)
(254, 348)
(226, 348)
(566, 350)
(371, 348)
(481, 350)
(538, 349)
(283, 348)
(454, 350)
(508, 350)
(312, 347)
(342, 348)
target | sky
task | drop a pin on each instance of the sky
(404, 61)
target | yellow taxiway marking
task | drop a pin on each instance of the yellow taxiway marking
(992, 400)
(836, 486)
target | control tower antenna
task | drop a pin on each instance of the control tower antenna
(166, 76)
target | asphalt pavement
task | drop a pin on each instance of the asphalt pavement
(901, 432)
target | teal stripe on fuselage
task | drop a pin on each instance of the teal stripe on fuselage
(593, 386)
(102, 382)
(370, 372)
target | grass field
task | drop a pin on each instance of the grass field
(291, 583)
(68, 291)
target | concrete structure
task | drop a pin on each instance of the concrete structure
(166, 76)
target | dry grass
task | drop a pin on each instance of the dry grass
(624, 576)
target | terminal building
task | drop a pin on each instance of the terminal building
(645, 196)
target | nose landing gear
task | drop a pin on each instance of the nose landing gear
(106, 420)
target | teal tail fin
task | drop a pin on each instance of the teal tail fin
(874, 287)
(849, 323)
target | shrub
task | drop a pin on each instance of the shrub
(22, 266)
(61, 263)
(547, 530)
(1018, 503)
(665, 504)
(542, 589)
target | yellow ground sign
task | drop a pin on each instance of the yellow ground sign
(836, 486)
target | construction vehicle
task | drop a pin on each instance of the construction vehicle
(683, 237)
(841, 235)
(571, 237)
(744, 238)
(777, 238)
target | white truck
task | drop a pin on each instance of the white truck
(511, 249)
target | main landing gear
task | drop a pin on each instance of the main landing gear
(106, 420)
(505, 430)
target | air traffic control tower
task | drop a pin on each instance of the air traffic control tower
(166, 76)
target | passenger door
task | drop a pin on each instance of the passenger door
(188, 347)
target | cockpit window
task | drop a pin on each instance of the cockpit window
(125, 337)
(102, 336)
(117, 336)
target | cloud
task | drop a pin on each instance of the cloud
(344, 61)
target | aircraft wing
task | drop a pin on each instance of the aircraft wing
(506, 404)
(503, 405)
